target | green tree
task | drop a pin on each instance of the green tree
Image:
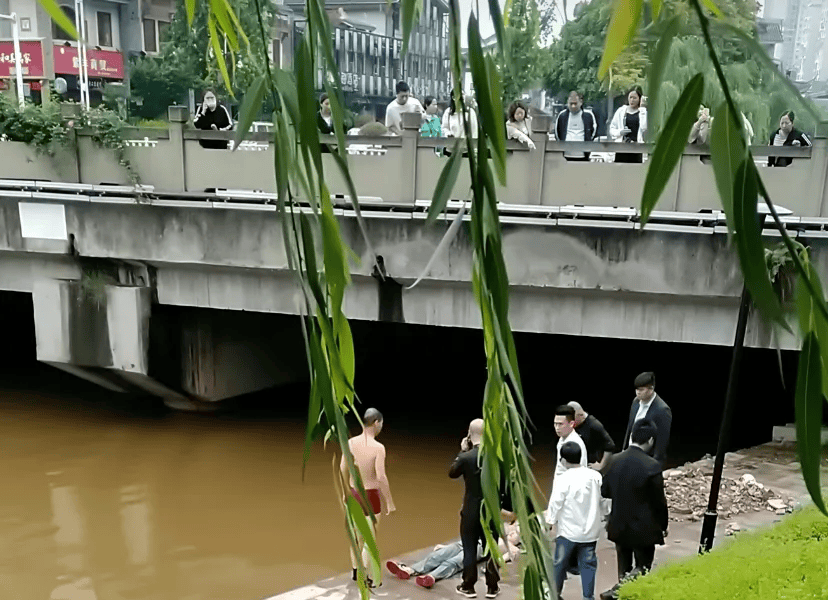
(574, 57)
(187, 60)
(523, 65)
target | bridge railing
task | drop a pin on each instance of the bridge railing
(405, 169)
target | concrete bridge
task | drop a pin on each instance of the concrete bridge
(123, 277)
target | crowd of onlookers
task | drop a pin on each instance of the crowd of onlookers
(575, 123)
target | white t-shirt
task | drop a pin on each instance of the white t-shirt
(575, 132)
(643, 409)
(572, 437)
(576, 505)
(393, 114)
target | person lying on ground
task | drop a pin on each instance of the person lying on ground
(446, 561)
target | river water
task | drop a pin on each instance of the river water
(110, 497)
(105, 501)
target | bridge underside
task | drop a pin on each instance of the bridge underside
(608, 280)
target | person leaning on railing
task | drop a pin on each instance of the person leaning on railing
(786, 135)
(519, 124)
(212, 116)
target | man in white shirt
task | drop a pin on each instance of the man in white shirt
(565, 428)
(577, 508)
(403, 104)
(575, 124)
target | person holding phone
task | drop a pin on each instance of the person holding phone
(629, 125)
(212, 116)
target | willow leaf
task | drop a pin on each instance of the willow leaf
(191, 6)
(622, 27)
(314, 411)
(809, 417)
(490, 114)
(656, 4)
(219, 9)
(308, 132)
(250, 107)
(712, 7)
(214, 41)
(497, 21)
(749, 244)
(445, 184)
(671, 145)
(659, 62)
(410, 11)
(355, 510)
(60, 18)
(727, 151)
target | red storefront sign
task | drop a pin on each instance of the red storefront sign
(100, 63)
(31, 55)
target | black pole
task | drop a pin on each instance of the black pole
(711, 515)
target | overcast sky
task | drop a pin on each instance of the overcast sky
(486, 27)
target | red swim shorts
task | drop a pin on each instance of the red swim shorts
(373, 501)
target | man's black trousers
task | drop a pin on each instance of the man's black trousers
(470, 532)
(643, 558)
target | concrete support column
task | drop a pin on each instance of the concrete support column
(96, 330)
(178, 116)
(411, 123)
(540, 135)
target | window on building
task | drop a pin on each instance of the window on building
(105, 29)
(163, 32)
(57, 32)
(150, 36)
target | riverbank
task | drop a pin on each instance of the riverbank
(773, 465)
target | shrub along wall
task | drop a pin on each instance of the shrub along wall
(789, 560)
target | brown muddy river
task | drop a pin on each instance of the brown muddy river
(103, 504)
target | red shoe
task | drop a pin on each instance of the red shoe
(426, 581)
(397, 570)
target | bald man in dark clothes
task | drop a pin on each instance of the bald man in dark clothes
(598, 442)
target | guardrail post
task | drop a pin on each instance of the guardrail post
(818, 180)
(541, 126)
(411, 123)
(178, 116)
(71, 114)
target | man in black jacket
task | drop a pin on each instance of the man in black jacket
(638, 519)
(466, 465)
(598, 442)
(649, 405)
(574, 124)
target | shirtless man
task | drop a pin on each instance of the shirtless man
(369, 459)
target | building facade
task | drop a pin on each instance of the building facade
(803, 53)
(367, 42)
(115, 30)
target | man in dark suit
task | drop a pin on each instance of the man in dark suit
(638, 519)
(648, 404)
(471, 530)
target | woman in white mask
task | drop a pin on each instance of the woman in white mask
(210, 115)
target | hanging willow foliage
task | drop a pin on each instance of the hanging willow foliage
(318, 256)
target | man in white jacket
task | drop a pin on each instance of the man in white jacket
(577, 508)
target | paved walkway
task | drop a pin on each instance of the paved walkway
(771, 464)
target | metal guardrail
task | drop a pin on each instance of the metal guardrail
(620, 217)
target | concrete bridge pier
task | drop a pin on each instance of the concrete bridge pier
(113, 335)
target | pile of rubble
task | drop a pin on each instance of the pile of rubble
(688, 489)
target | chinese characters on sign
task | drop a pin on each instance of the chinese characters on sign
(100, 63)
(31, 56)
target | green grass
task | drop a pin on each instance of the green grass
(789, 560)
(152, 123)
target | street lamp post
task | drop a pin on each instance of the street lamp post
(83, 72)
(18, 57)
(711, 515)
